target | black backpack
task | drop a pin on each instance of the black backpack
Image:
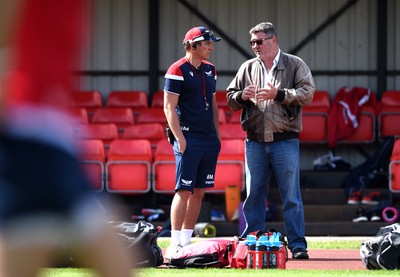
(141, 238)
(372, 172)
(382, 251)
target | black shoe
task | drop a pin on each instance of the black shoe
(375, 217)
(361, 215)
(300, 254)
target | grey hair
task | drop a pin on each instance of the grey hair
(266, 27)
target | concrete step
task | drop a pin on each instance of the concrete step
(323, 196)
(322, 179)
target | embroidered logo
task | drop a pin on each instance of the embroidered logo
(208, 73)
(191, 73)
(186, 182)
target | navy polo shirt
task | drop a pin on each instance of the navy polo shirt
(192, 85)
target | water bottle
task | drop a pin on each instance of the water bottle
(273, 251)
(261, 255)
(251, 249)
(281, 257)
(277, 255)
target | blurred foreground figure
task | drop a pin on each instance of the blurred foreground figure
(46, 202)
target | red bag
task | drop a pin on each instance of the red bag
(201, 254)
(237, 253)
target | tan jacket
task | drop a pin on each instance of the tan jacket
(296, 88)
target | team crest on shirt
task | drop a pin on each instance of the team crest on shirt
(208, 73)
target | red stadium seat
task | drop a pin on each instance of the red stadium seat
(232, 131)
(389, 114)
(106, 132)
(230, 166)
(394, 168)
(92, 158)
(154, 132)
(128, 169)
(157, 100)
(221, 99)
(222, 103)
(122, 117)
(221, 116)
(129, 99)
(90, 100)
(315, 119)
(78, 116)
(150, 115)
(164, 168)
(235, 117)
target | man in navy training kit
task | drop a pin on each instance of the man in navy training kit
(191, 110)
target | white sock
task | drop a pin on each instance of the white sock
(186, 235)
(175, 237)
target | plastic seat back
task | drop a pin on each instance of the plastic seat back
(154, 132)
(234, 117)
(128, 169)
(150, 115)
(221, 116)
(130, 99)
(91, 156)
(389, 114)
(122, 117)
(157, 100)
(230, 168)
(315, 119)
(222, 101)
(394, 168)
(320, 103)
(164, 168)
(232, 131)
(106, 132)
(78, 116)
(90, 100)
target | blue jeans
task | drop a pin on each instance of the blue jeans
(282, 159)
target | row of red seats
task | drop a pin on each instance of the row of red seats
(92, 100)
(124, 117)
(380, 121)
(131, 167)
(154, 132)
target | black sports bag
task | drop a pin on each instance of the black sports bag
(141, 237)
(382, 251)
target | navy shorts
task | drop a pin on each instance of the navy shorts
(196, 167)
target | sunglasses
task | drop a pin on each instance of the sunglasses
(258, 41)
(207, 35)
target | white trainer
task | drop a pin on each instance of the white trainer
(172, 250)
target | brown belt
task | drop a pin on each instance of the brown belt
(269, 137)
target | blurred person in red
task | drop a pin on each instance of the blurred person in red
(46, 202)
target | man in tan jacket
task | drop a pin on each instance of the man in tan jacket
(270, 89)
